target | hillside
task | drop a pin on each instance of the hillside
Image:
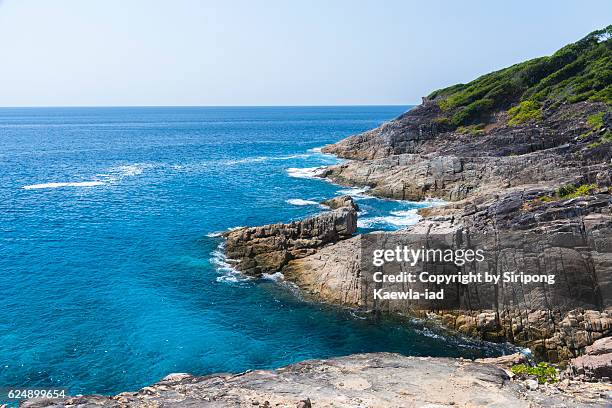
(581, 71)
(534, 105)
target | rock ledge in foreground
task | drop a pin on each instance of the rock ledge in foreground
(360, 380)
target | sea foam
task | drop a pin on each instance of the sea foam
(300, 202)
(259, 159)
(357, 193)
(227, 273)
(396, 219)
(216, 234)
(305, 172)
(64, 184)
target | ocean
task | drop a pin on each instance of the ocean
(112, 274)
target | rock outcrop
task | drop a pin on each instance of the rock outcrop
(513, 152)
(453, 178)
(596, 363)
(360, 380)
(269, 248)
(341, 201)
(542, 176)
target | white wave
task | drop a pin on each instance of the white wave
(131, 170)
(66, 184)
(276, 277)
(300, 202)
(227, 272)
(292, 156)
(113, 174)
(358, 315)
(428, 333)
(356, 192)
(317, 151)
(246, 160)
(306, 172)
(434, 202)
(398, 219)
(258, 159)
(404, 213)
(119, 172)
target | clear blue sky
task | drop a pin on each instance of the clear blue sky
(197, 52)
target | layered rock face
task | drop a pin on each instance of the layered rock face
(408, 160)
(361, 380)
(557, 323)
(419, 131)
(452, 178)
(332, 274)
(498, 177)
(269, 248)
(515, 151)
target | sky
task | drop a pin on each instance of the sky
(269, 52)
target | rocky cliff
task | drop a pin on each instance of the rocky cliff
(361, 380)
(526, 150)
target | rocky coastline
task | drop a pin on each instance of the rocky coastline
(508, 163)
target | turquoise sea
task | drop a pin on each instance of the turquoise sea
(111, 275)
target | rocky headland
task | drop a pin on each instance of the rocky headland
(526, 151)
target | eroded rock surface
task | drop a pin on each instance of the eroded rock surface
(544, 177)
(362, 380)
(269, 248)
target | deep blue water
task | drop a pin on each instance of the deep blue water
(110, 279)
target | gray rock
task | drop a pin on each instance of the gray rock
(596, 364)
(361, 380)
(531, 385)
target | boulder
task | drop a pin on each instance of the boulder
(596, 363)
(341, 201)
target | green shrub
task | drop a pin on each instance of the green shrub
(525, 111)
(571, 191)
(474, 130)
(545, 373)
(595, 121)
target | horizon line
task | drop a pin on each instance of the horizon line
(199, 106)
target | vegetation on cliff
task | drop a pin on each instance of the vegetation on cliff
(577, 72)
